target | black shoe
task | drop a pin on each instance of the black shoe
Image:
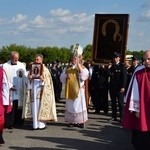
(1, 139)
(34, 129)
(106, 112)
(81, 125)
(10, 127)
(113, 119)
(97, 112)
(70, 125)
(120, 121)
(42, 128)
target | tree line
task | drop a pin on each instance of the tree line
(50, 54)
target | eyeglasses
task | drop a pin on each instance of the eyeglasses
(145, 59)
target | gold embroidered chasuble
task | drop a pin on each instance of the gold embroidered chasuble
(72, 83)
(47, 110)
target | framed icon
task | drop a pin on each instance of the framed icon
(110, 35)
(36, 70)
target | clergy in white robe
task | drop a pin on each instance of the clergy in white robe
(42, 98)
(74, 77)
(11, 68)
(4, 101)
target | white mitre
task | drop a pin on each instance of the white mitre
(77, 50)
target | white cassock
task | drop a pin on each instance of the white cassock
(36, 89)
(11, 73)
(76, 111)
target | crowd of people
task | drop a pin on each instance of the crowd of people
(26, 93)
(32, 92)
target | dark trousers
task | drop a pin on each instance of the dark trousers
(59, 89)
(117, 101)
(17, 114)
(9, 119)
(14, 117)
(101, 100)
(1, 139)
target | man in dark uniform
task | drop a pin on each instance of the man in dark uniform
(55, 78)
(118, 79)
(99, 84)
(131, 69)
(59, 71)
(135, 64)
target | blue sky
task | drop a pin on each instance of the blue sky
(65, 22)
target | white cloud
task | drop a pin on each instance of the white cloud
(2, 21)
(19, 18)
(84, 19)
(146, 14)
(60, 25)
(23, 27)
(39, 21)
(60, 12)
(80, 18)
(66, 19)
(62, 31)
(80, 15)
(78, 29)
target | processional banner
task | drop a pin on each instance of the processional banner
(110, 35)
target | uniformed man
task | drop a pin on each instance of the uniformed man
(99, 85)
(55, 77)
(131, 69)
(135, 64)
(118, 79)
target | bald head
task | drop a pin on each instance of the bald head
(146, 58)
(14, 57)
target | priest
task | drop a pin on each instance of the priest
(12, 68)
(74, 77)
(42, 100)
(137, 109)
(4, 101)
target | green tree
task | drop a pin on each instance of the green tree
(50, 54)
(87, 53)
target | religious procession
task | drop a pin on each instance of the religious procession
(108, 84)
(32, 93)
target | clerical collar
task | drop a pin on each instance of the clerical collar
(13, 64)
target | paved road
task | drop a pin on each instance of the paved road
(99, 134)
